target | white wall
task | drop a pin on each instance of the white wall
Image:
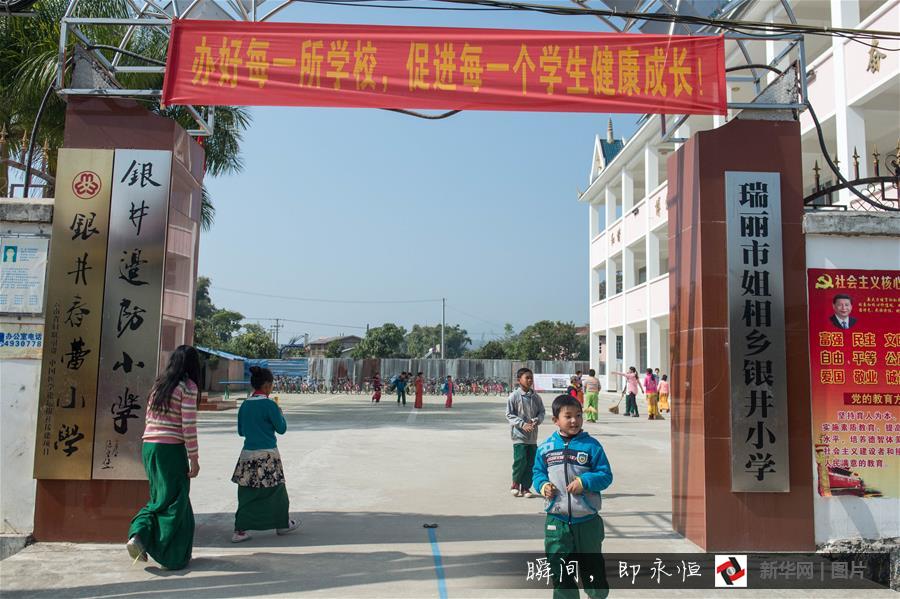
(18, 423)
(19, 388)
(854, 517)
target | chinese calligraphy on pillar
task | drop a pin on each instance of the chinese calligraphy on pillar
(132, 305)
(77, 263)
(756, 335)
(854, 342)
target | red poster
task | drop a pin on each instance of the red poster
(362, 66)
(854, 340)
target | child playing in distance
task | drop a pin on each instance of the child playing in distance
(524, 411)
(570, 470)
(376, 387)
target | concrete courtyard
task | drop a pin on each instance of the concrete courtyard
(364, 478)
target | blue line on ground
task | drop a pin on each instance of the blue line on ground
(438, 564)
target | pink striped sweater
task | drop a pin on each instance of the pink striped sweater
(179, 424)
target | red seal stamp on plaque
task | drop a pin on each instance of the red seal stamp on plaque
(86, 185)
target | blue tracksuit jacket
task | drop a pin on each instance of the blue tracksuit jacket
(560, 461)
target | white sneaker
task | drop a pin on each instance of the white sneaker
(240, 536)
(515, 492)
(136, 550)
(529, 495)
(294, 525)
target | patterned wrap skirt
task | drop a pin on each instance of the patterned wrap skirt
(259, 469)
(263, 502)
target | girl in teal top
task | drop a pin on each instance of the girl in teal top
(263, 502)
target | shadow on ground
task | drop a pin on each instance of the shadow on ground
(268, 573)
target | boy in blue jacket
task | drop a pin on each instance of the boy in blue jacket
(570, 470)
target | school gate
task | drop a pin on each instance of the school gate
(128, 164)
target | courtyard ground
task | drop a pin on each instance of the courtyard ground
(364, 478)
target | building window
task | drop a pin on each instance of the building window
(642, 275)
(620, 283)
(620, 352)
(601, 285)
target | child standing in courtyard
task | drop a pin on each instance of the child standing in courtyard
(420, 390)
(650, 389)
(591, 394)
(570, 471)
(401, 388)
(524, 411)
(448, 391)
(664, 394)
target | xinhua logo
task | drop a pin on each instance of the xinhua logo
(731, 571)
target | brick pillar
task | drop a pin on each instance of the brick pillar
(704, 509)
(101, 510)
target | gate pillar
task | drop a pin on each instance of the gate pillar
(101, 510)
(704, 507)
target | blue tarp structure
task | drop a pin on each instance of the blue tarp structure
(220, 353)
(297, 367)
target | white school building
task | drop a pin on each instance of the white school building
(855, 91)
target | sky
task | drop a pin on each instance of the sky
(361, 205)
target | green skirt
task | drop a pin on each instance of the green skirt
(262, 508)
(165, 525)
(262, 495)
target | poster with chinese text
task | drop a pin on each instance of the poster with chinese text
(23, 266)
(854, 339)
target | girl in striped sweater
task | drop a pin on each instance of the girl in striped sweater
(164, 528)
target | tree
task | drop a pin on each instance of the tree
(334, 349)
(203, 305)
(217, 331)
(385, 341)
(422, 338)
(29, 50)
(548, 340)
(254, 342)
(492, 350)
(213, 327)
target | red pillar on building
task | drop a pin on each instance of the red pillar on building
(704, 509)
(101, 510)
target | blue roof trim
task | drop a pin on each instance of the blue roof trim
(220, 353)
(611, 150)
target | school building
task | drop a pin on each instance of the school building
(855, 92)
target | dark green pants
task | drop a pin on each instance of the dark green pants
(523, 462)
(166, 524)
(568, 544)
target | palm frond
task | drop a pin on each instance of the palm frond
(207, 210)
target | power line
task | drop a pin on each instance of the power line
(324, 324)
(323, 300)
(493, 324)
(725, 24)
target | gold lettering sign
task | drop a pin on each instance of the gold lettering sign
(132, 309)
(75, 275)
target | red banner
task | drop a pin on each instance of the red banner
(854, 342)
(295, 64)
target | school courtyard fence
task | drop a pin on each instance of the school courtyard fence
(334, 370)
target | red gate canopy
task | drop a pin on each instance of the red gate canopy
(362, 66)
